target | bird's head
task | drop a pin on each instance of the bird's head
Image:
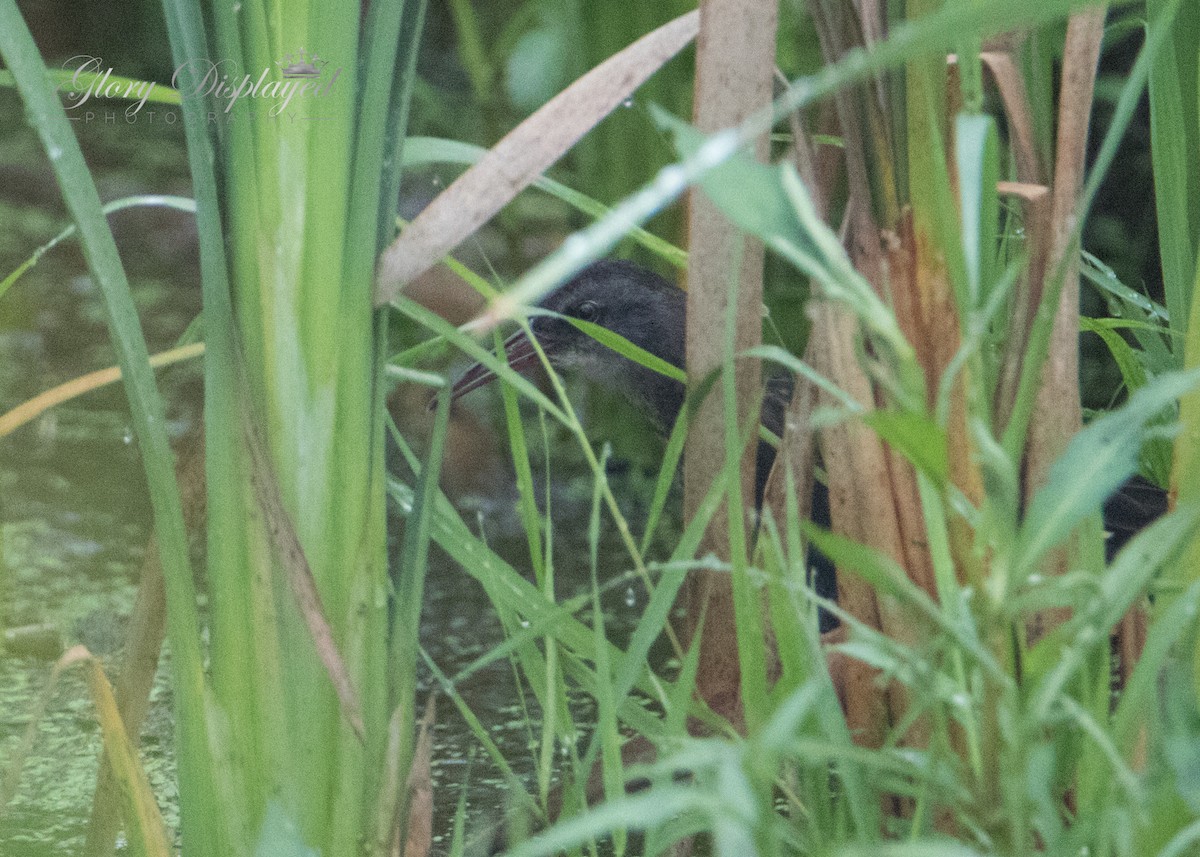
(627, 300)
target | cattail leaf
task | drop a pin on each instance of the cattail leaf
(1175, 136)
(280, 835)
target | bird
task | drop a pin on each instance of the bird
(648, 311)
(629, 300)
(651, 312)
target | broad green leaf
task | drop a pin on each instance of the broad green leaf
(917, 437)
(1098, 460)
(976, 153)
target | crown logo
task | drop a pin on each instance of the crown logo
(302, 65)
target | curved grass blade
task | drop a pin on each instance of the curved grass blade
(179, 203)
(128, 88)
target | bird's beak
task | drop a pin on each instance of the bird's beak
(521, 356)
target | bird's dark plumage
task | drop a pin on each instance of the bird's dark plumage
(638, 305)
(648, 311)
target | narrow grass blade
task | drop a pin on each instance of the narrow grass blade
(45, 114)
(606, 736)
(1061, 654)
(625, 348)
(641, 811)
(116, 86)
(144, 825)
(519, 453)
(477, 352)
(516, 791)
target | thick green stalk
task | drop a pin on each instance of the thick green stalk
(293, 325)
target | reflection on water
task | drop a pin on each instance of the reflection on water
(75, 523)
(459, 626)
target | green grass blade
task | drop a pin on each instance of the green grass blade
(606, 736)
(625, 348)
(475, 351)
(46, 115)
(1175, 139)
(116, 86)
(1124, 581)
(665, 479)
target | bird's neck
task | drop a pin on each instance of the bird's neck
(656, 395)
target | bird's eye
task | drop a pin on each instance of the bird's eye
(588, 311)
